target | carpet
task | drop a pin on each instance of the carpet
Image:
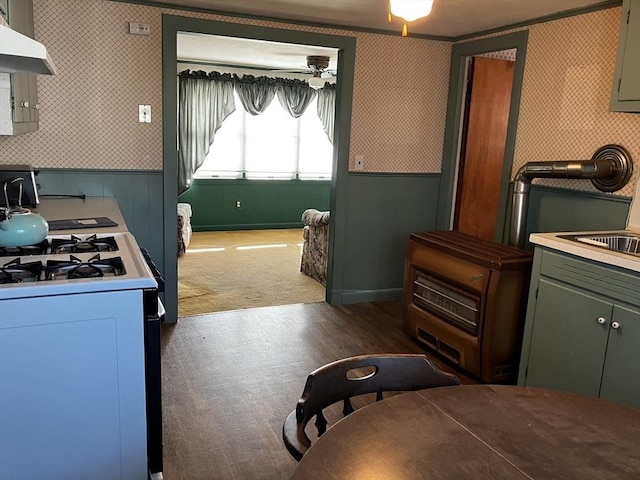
(234, 270)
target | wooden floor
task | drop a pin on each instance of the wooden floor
(231, 378)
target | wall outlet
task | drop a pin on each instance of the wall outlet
(359, 162)
(139, 28)
(238, 204)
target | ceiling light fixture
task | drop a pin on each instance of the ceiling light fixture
(316, 82)
(409, 10)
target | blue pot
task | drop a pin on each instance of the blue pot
(21, 228)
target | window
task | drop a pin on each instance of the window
(272, 145)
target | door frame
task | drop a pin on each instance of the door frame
(451, 150)
(171, 25)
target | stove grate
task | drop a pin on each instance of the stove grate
(37, 249)
(17, 272)
(76, 268)
(75, 244)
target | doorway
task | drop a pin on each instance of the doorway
(271, 167)
(342, 130)
(453, 143)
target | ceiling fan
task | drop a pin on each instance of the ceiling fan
(320, 74)
(318, 66)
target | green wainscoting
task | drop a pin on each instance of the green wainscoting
(253, 204)
(381, 211)
(559, 210)
(138, 193)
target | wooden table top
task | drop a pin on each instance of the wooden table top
(480, 431)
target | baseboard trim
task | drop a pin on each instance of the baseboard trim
(246, 226)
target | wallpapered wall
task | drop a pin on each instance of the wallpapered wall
(89, 110)
(564, 110)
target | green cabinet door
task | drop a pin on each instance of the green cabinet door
(625, 91)
(569, 339)
(24, 88)
(621, 375)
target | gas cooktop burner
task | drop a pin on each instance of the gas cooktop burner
(18, 272)
(76, 268)
(38, 249)
(77, 245)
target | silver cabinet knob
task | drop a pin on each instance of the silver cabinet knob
(615, 325)
(36, 106)
(25, 104)
(601, 320)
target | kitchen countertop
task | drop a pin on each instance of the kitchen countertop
(77, 208)
(584, 250)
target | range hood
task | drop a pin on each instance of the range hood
(21, 54)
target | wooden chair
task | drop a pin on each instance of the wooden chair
(343, 379)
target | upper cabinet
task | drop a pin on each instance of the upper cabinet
(625, 91)
(19, 91)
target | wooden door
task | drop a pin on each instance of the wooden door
(483, 144)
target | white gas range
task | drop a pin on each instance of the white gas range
(74, 263)
(75, 353)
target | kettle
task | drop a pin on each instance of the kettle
(20, 227)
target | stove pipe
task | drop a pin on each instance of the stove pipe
(609, 170)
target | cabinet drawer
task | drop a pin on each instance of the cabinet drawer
(606, 280)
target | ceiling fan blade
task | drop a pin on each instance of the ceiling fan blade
(303, 71)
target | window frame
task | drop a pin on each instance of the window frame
(251, 174)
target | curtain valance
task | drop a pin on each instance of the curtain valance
(255, 93)
(295, 96)
(206, 99)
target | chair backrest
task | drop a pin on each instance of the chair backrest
(337, 382)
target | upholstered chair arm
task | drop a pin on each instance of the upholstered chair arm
(315, 217)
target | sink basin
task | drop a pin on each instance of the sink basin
(623, 242)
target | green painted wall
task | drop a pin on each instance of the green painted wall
(379, 212)
(262, 203)
(558, 210)
(139, 196)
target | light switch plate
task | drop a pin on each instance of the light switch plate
(139, 28)
(144, 113)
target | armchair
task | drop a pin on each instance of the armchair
(316, 242)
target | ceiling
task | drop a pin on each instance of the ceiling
(449, 18)
(256, 54)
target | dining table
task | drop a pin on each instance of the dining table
(479, 432)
